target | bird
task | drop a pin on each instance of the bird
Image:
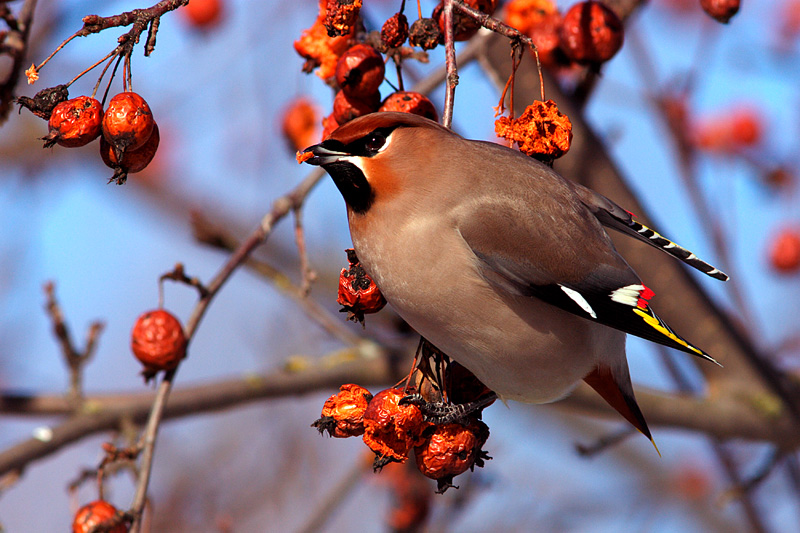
(497, 260)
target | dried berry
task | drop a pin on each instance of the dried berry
(410, 102)
(319, 49)
(92, 515)
(525, 15)
(542, 131)
(591, 33)
(784, 252)
(43, 102)
(132, 161)
(158, 341)
(74, 123)
(450, 450)
(341, 16)
(360, 71)
(127, 123)
(346, 108)
(464, 26)
(720, 10)
(391, 429)
(358, 293)
(425, 33)
(299, 123)
(329, 125)
(203, 14)
(394, 31)
(729, 131)
(343, 413)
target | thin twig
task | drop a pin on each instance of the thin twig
(450, 62)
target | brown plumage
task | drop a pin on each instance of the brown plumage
(496, 259)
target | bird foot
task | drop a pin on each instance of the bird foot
(445, 413)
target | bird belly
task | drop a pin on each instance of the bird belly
(520, 347)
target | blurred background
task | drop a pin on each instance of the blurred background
(219, 93)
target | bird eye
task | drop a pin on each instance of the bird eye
(374, 142)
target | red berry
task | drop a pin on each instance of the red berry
(360, 71)
(128, 122)
(591, 33)
(203, 13)
(358, 293)
(132, 161)
(75, 122)
(410, 102)
(91, 515)
(452, 449)
(347, 108)
(299, 123)
(720, 10)
(784, 253)
(158, 341)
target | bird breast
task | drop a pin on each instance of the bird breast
(520, 347)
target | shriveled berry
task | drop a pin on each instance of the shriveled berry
(450, 450)
(784, 252)
(358, 293)
(158, 341)
(92, 515)
(542, 131)
(132, 161)
(410, 102)
(394, 31)
(43, 102)
(591, 33)
(347, 108)
(341, 16)
(128, 122)
(391, 429)
(343, 413)
(720, 10)
(360, 71)
(203, 14)
(464, 26)
(425, 33)
(75, 122)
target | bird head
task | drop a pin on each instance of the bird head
(371, 156)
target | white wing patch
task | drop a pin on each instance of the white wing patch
(576, 297)
(627, 295)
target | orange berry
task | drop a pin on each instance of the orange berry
(410, 102)
(158, 341)
(203, 13)
(299, 123)
(75, 122)
(341, 16)
(360, 71)
(343, 413)
(525, 15)
(358, 293)
(91, 515)
(391, 429)
(542, 131)
(452, 449)
(128, 122)
(591, 33)
(784, 252)
(720, 10)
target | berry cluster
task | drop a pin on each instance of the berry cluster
(129, 137)
(588, 34)
(392, 429)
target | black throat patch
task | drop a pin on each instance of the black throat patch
(353, 185)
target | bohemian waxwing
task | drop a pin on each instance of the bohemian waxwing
(497, 260)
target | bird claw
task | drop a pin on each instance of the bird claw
(445, 413)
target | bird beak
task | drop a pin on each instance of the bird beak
(322, 154)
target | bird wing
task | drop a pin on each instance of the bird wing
(570, 263)
(615, 217)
